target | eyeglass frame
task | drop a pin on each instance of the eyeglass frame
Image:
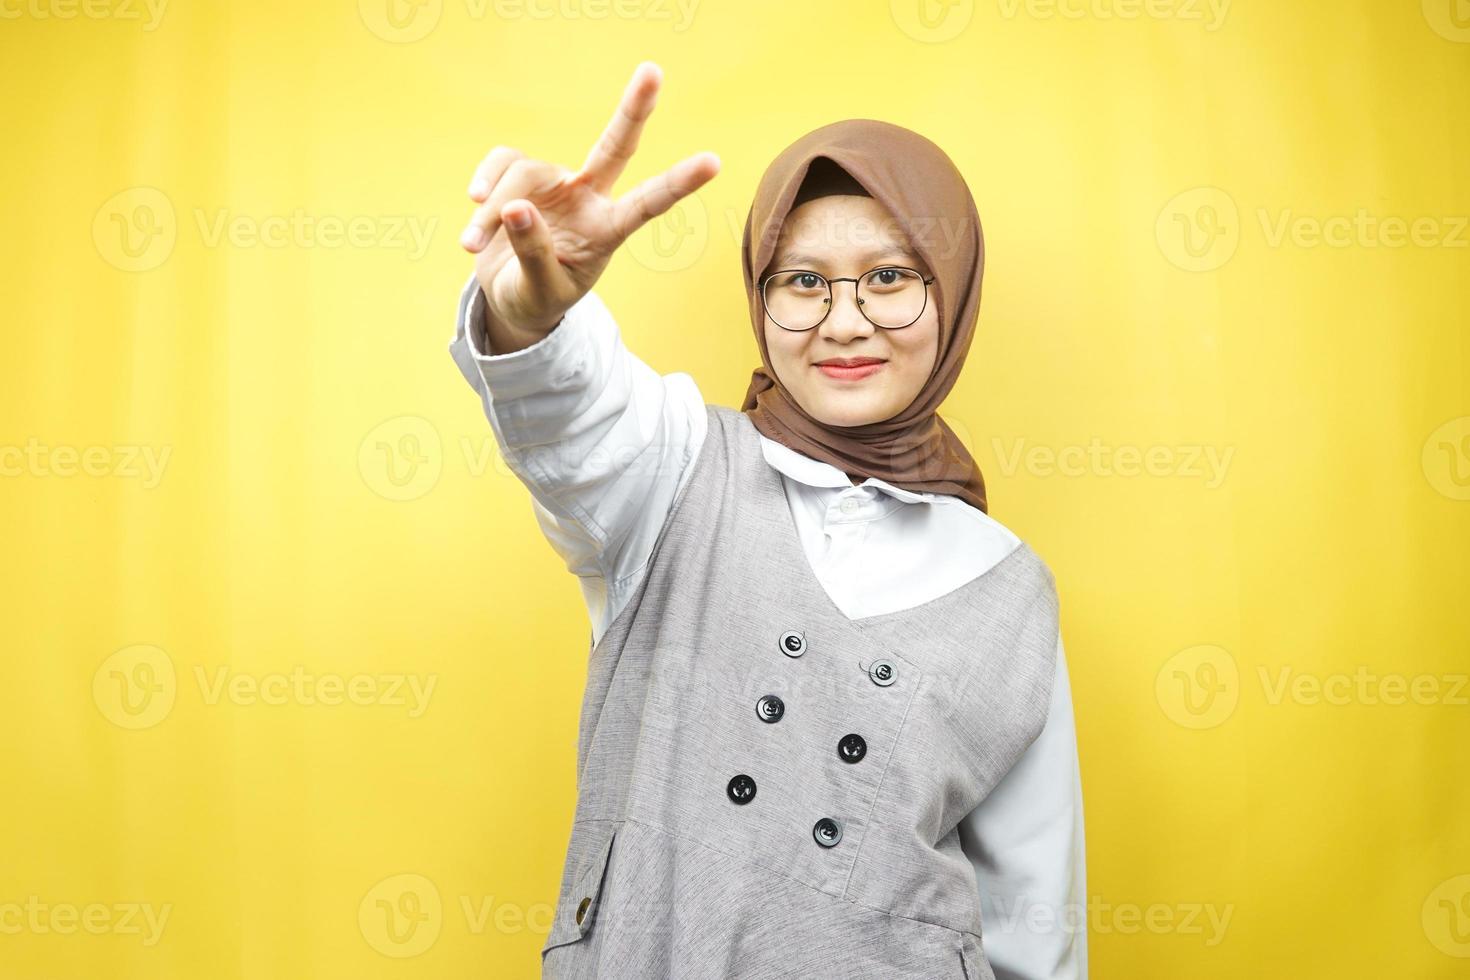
(765, 308)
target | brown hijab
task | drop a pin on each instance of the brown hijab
(928, 198)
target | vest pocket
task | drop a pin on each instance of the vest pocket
(578, 905)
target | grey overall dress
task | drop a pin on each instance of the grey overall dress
(768, 789)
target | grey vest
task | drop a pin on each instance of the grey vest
(769, 789)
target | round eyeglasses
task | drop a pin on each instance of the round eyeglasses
(890, 296)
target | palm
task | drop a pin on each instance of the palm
(583, 233)
(531, 277)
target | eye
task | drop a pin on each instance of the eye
(800, 282)
(892, 278)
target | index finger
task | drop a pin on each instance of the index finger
(619, 139)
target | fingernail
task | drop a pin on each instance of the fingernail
(519, 220)
(472, 237)
(478, 187)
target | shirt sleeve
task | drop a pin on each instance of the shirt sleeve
(1026, 843)
(602, 441)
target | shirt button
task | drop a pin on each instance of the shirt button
(582, 909)
(827, 832)
(741, 789)
(883, 672)
(792, 643)
(770, 708)
(852, 748)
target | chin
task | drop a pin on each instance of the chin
(850, 412)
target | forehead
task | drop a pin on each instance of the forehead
(842, 228)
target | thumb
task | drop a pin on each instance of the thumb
(530, 237)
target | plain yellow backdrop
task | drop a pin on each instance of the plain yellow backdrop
(290, 678)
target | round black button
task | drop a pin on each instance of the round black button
(792, 643)
(770, 708)
(827, 832)
(883, 672)
(741, 789)
(582, 909)
(852, 748)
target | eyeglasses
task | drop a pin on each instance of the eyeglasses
(890, 296)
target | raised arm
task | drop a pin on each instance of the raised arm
(602, 441)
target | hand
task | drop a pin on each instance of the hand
(542, 234)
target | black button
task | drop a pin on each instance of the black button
(770, 708)
(883, 672)
(826, 832)
(741, 789)
(582, 909)
(852, 748)
(792, 643)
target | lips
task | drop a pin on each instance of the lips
(849, 368)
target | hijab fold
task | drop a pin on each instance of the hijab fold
(928, 198)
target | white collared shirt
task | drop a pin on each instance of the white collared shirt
(604, 444)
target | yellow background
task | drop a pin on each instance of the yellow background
(330, 500)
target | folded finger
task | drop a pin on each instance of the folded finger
(521, 179)
(490, 170)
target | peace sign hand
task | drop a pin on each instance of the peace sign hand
(542, 234)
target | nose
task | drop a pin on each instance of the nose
(845, 321)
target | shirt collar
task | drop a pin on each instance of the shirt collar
(815, 473)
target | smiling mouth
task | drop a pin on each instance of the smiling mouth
(850, 372)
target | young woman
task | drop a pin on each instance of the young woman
(827, 725)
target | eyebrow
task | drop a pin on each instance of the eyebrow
(801, 258)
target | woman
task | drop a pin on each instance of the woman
(826, 696)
